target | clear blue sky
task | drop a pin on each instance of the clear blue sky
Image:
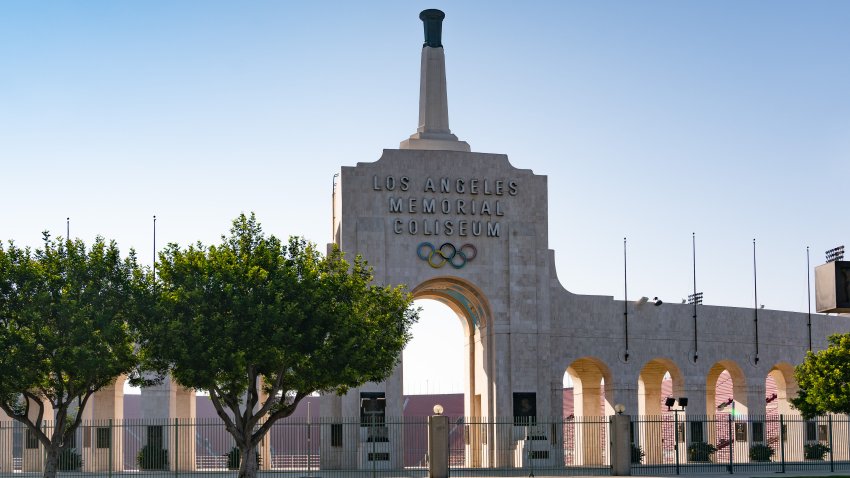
(652, 120)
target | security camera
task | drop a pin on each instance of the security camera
(656, 301)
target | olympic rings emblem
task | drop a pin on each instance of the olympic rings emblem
(447, 253)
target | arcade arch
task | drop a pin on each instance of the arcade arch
(588, 375)
(650, 381)
(717, 389)
(591, 401)
(784, 387)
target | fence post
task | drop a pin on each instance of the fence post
(676, 436)
(177, 447)
(621, 445)
(111, 438)
(831, 445)
(731, 445)
(438, 446)
(782, 441)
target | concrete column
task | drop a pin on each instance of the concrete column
(6, 427)
(185, 414)
(588, 426)
(649, 409)
(438, 446)
(105, 405)
(620, 445)
(161, 405)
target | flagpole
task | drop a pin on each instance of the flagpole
(154, 247)
(625, 300)
(756, 305)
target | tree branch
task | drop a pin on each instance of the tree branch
(219, 409)
(282, 412)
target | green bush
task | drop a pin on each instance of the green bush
(815, 451)
(700, 451)
(234, 459)
(70, 460)
(761, 452)
(637, 453)
(152, 458)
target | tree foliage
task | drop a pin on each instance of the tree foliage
(64, 333)
(824, 379)
(261, 324)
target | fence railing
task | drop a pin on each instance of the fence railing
(675, 443)
(667, 444)
(340, 447)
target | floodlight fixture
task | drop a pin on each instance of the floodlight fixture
(695, 298)
(683, 402)
(669, 402)
(835, 254)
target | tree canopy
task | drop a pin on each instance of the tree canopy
(65, 313)
(824, 379)
(261, 324)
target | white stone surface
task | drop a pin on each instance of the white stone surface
(433, 132)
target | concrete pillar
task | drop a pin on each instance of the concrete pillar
(185, 415)
(6, 428)
(620, 445)
(104, 412)
(163, 404)
(588, 426)
(438, 446)
(649, 409)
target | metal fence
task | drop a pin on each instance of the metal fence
(327, 447)
(725, 443)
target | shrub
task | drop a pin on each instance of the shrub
(637, 453)
(152, 458)
(700, 451)
(234, 459)
(70, 460)
(761, 452)
(815, 451)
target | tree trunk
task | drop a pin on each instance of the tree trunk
(247, 462)
(51, 461)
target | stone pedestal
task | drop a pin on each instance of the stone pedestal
(438, 447)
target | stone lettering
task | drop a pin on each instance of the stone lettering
(429, 205)
(493, 229)
(395, 204)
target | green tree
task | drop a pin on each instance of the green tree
(261, 324)
(824, 379)
(64, 333)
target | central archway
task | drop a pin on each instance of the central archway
(470, 305)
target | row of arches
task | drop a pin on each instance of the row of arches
(725, 389)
